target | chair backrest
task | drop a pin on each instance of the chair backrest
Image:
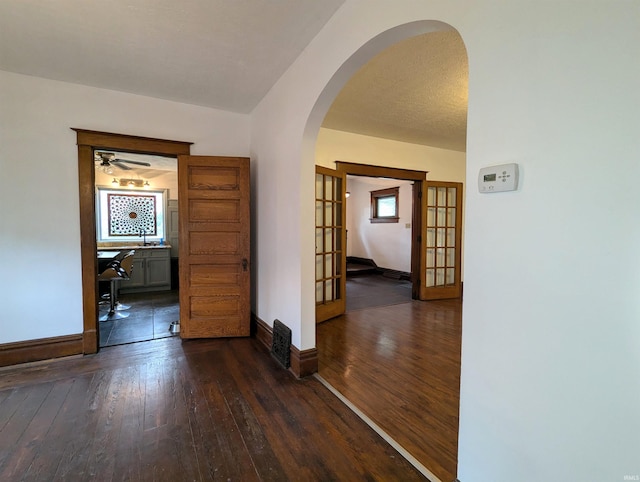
(121, 255)
(127, 262)
(120, 266)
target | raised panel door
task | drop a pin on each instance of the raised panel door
(214, 246)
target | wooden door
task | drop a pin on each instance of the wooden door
(331, 258)
(214, 246)
(441, 250)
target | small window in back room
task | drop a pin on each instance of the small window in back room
(384, 205)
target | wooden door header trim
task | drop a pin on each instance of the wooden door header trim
(379, 171)
(147, 145)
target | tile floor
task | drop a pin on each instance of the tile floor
(148, 318)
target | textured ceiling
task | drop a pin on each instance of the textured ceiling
(227, 54)
(414, 91)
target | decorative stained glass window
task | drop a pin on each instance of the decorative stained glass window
(131, 214)
(127, 215)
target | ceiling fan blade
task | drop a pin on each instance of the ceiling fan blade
(137, 163)
(120, 165)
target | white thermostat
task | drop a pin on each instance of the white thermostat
(498, 178)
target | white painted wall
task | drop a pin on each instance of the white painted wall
(388, 244)
(41, 292)
(550, 361)
(441, 164)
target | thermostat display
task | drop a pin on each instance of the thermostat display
(498, 178)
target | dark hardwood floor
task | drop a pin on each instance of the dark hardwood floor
(169, 410)
(400, 365)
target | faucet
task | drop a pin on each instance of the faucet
(143, 234)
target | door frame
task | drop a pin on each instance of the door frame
(369, 170)
(88, 141)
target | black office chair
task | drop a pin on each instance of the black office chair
(118, 269)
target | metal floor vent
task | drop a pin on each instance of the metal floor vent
(281, 344)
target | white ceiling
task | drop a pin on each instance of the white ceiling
(414, 91)
(227, 54)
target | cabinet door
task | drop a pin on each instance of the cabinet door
(137, 279)
(158, 271)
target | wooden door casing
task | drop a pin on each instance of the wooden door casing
(214, 233)
(88, 141)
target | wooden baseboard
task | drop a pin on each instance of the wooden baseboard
(41, 349)
(303, 363)
(395, 274)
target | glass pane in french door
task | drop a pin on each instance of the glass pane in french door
(329, 232)
(440, 241)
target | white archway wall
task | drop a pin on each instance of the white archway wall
(550, 366)
(284, 131)
(441, 164)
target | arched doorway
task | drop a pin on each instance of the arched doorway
(436, 464)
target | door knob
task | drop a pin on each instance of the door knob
(245, 264)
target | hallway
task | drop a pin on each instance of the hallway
(400, 365)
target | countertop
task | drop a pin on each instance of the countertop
(121, 248)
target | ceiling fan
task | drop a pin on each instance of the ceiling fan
(109, 159)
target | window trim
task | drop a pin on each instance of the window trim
(383, 193)
(102, 207)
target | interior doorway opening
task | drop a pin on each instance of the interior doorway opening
(400, 366)
(137, 211)
(411, 223)
(378, 257)
(90, 142)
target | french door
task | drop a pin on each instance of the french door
(441, 250)
(214, 246)
(330, 236)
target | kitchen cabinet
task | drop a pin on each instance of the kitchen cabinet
(151, 271)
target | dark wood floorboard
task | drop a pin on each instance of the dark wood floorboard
(400, 365)
(167, 410)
